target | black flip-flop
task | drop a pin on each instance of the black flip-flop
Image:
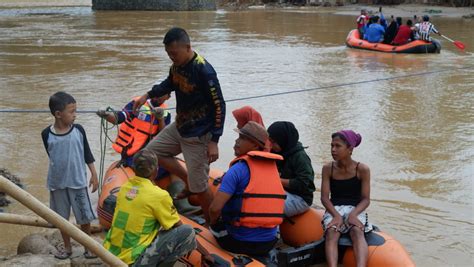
(62, 255)
(89, 255)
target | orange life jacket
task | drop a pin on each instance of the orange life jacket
(134, 133)
(263, 199)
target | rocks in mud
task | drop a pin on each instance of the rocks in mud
(38, 250)
(3, 198)
(35, 244)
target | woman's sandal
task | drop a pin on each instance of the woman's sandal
(62, 255)
(89, 255)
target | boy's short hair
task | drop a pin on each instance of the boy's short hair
(59, 101)
(176, 34)
(144, 163)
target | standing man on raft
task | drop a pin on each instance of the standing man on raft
(200, 115)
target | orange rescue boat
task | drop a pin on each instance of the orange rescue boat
(302, 235)
(354, 40)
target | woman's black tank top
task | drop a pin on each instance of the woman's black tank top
(347, 191)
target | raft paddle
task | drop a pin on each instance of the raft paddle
(456, 43)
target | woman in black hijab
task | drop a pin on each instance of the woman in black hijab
(296, 172)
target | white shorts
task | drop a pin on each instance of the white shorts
(344, 211)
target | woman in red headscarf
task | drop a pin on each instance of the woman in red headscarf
(345, 193)
(246, 114)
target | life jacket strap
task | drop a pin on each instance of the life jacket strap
(254, 195)
(265, 215)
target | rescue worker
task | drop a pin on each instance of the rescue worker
(248, 207)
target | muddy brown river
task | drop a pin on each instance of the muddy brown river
(417, 130)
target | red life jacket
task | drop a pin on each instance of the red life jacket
(134, 133)
(263, 200)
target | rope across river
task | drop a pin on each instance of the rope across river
(276, 93)
(105, 125)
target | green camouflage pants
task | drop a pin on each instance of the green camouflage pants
(168, 247)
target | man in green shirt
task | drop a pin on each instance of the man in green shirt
(146, 229)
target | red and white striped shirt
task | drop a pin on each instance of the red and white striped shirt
(424, 30)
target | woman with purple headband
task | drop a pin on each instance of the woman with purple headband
(345, 193)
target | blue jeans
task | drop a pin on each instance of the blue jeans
(294, 205)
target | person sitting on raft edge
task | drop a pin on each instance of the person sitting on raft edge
(146, 229)
(361, 21)
(345, 193)
(241, 220)
(374, 32)
(296, 172)
(247, 113)
(405, 34)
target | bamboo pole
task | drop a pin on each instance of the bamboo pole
(24, 220)
(36, 221)
(39, 208)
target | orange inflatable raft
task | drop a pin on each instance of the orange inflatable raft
(303, 238)
(302, 235)
(353, 40)
(117, 175)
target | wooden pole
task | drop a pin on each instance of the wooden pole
(36, 221)
(24, 220)
(39, 208)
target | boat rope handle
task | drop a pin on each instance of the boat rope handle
(103, 137)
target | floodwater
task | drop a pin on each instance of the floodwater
(417, 130)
